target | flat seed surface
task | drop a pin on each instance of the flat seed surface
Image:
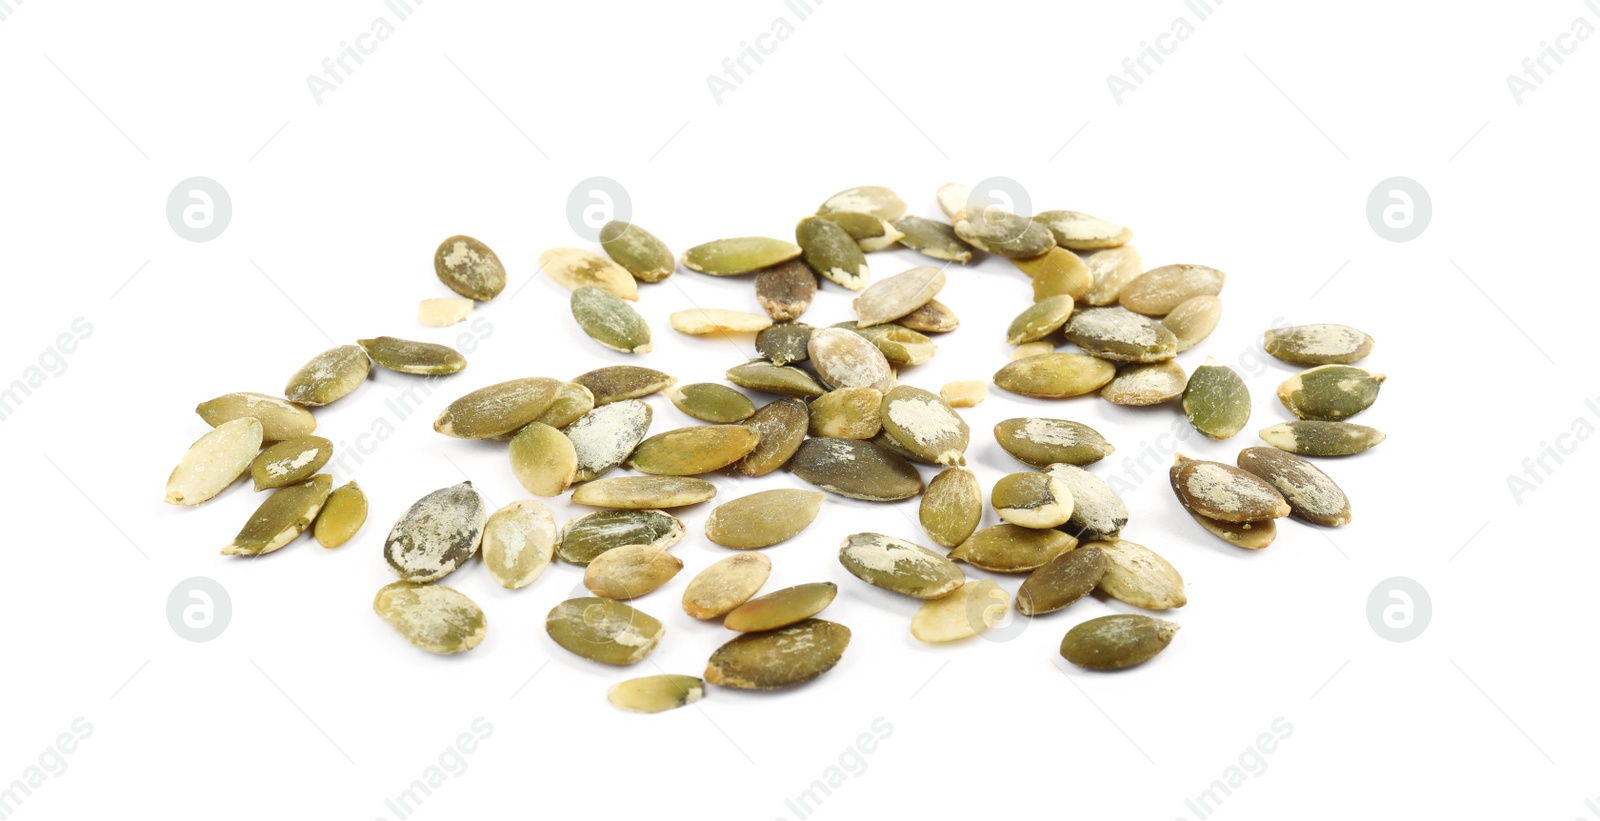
(1224, 492)
(644, 492)
(214, 461)
(1139, 576)
(1330, 393)
(1157, 291)
(341, 516)
(500, 409)
(692, 451)
(1318, 344)
(738, 255)
(785, 290)
(1097, 511)
(970, 611)
(889, 299)
(1036, 500)
(1193, 320)
(779, 658)
(1313, 438)
(1039, 442)
(876, 200)
(934, 317)
(656, 694)
(847, 413)
(290, 462)
(519, 542)
(442, 312)
(572, 402)
(640, 252)
(589, 535)
(285, 514)
(1112, 270)
(437, 534)
(1058, 272)
(856, 469)
(1055, 375)
(1011, 549)
(406, 356)
(431, 617)
(1216, 400)
(764, 518)
(781, 608)
(952, 507)
(784, 380)
(329, 376)
(1117, 642)
(712, 402)
(932, 238)
(574, 268)
(1061, 581)
(1121, 335)
(1040, 320)
(1144, 384)
(1081, 232)
(469, 268)
(606, 436)
(610, 321)
(602, 630)
(615, 383)
(280, 419)
(844, 359)
(1028, 349)
(543, 459)
(726, 584)
(899, 566)
(785, 342)
(782, 428)
(702, 321)
(1000, 232)
(965, 394)
(630, 571)
(923, 425)
(829, 250)
(1311, 494)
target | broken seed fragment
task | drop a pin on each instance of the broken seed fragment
(442, 312)
(574, 268)
(656, 694)
(973, 609)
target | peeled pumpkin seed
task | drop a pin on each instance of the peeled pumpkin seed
(469, 268)
(592, 534)
(856, 469)
(844, 359)
(644, 492)
(702, 321)
(1139, 576)
(1313, 438)
(280, 419)
(1036, 500)
(281, 517)
(1028, 349)
(637, 250)
(630, 571)
(437, 534)
(656, 694)
(1058, 273)
(739, 255)
(1061, 581)
(869, 232)
(574, 268)
(725, 585)
(610, 321)
(431, 617)
(1011, 549)
(761, 375)
(1097, 511)
(1311, 495)
(1216, 400)
(899, 345)
(785, 290)
(519, 542)
(784, 342)
(1224, 492)
(847, 413)
(606, 436)
(781, 608)
(1193, 320)
(1117, 642)
(971, 610)
(290, 462)
(329, 376)
(934, 317)
(543, 459)
(1040, 320)
(602, 630)
(922, 424)
(830, 251)
(967, 394)
(953, 197)
(1144, 384)
(692, 451)
(1000, 232)
(1112, 270)
(932, 238)
(711, 402)
(1249, 535)
(572, 402)
(406, 356)
(214, 461)
(1121, 336)
(1318, 344)
(889, 299)
(763, 519)
(442, 312)
(498, 410)
(1330, 393)
(782, 427)
(1055, 375)
(615, 383)
(876, 200)
(952, 507)
(341, 516)
(1039, 443)
(1081, 232)
(779, 658)
(899, 566)
(1157, 291)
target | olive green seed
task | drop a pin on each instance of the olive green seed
(1040, 320)
(1117, 642)
(1216, 400)
(932, 238)
(847, 413)
(1081, 232)
(1058, 273)
(1121, 335)
(329, 376)
(1157, 291)
(763, 519)
(280, 419)
(431, 617)
(1097, 511)
(290, 462)
(1311, 494)
(782, 428)
(1000, 232)
(899, 566)
(785, 342)
(1055, 375)
(602, 630)
(780, 658)
(830, 251)
(924, 425)
(469, 268)
(1036, 500)
(610, 321)
(784, 380)
(406, 356)
(498, 410)
(739, 255)
(1008, 548)
(952, 507)
(844, 359)
(1139, 576)
(630, 571)
(1314, 438)
(637, 250)
(695, 450)
(711, 402)
(856, 469)
(572, 402)
(592, 534)
(1039, 442)
(1061, 581)
(1330, 393)
(282, 516)
(1224, 492)
(869, 232)
(341, 517)
(892, 298)
(1318, 344)
(899, 345)
(1193, 320)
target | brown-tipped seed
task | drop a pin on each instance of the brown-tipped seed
(469, 268)
(290, 462)
(437, 534)
(1011, 549)
(1146, 384)
(1318, 344)
(1055, 375)
(1058, 273)
(1313, 438)
(781, 608)
(630, 571)
(952, 507)
(1117, 642)
(341, 516)
(692, 451)
(214, 461)
(1311, 495)
(970, 611)
(519, 542)
(899, 566)
(592, 534)
(574, 268)
(711, 402)
(605, 437)
(498, 410)
(603, 630)
(1330, 393)
(894, 297)
(543, 460)
(1036, 500)
(726, 584)
(785, 290)
(1040, 443)
(1061, 581)
(281, 517)
(1216, 400)
(329, 376)
(856, 469)
(764, 518)
(615, 383)
(431, 617)
(844, 359)
(656, 694)
(1139, 576)
(644, 492)
(1157, 291)
(280, 419)
(1224, 492)
(925, 426)
(406, 356)
(639, 251)
(779, 658)
(782, 427)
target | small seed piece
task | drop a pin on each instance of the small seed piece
(1000, 232)
(214, 461)
(442, 312)
(1055, 375)
(784, 342)
(702, 321)
(1121, 335)
(847, 413)
(572, 402)
(574, 268)
(1117, 642)
(894, 297)
(1012, 549)
(1149, 383)
(1061, 581)
(1193, 320)
(615, 383)
(341, 516)
(1040, 443)
(781, 608)
(844, 359)
(832, 252)
(923, 425)
(856, 470)
(934, 317)
(469, 268)
(899, 566)
(281, 517)
(602, 630)
(606, 436)
(1028, 349)
(610, 321)
(1058, 273)
(406, 356)
(1311, 495)
(498, 410)
(692, 451)
(779, 658)
(760, 375)
(432, 617)
(592, 534)
(1040, 320)
(726, 584)
(782, 427)
(1139, 576)
(1224, 492)
(1330, 393)
(976, 607)
(711, 402)
(1036, 500)
(1157, 291)
(933, 239)
(740, 255)
(953, 197)
(952, 507)
(1112, 270)
(763, 519)
(290, 462)
(639, 251)
(329, 376)
(899, 345)
(519, 541)
(967, 394)
(280, 418)
(1318, 344)
(1216, 400)
(1081, 232)
(1313, 438)
(785, 290)
(543, 460)
(1097, 511)
(630, 571)
(866, 199)
(656, 694)
(437, 534)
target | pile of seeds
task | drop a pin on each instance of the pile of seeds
(841, 422)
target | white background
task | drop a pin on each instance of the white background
(1253, 148)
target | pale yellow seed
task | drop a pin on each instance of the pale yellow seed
(965, 394)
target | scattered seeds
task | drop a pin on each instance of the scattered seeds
(1011, 549)
(761, 375)
(603, 630)
(341, 516)
(1039, 443)
(1081, 232)
(498, 410)
(1216, 400)
(406, 356)
(967, 394)
(1097, 511)
(656, 694)
(1036, 500)
(1117, 642)
(934, 317)
(692, 451)
(1193, 320)
(432, 617)
(442, 312)
(543, 459)
(329, 376)
(892, 298)
(1058, 273)
(844, 359)
(866, 199)
(469, 268)
(1112, 270)
(1224, 492)
(615, 383)
(781, 608)
(519, 542)
(281, 517)
(785, 290)
(899, 566)
(763, 519)
(637, 250)
(1313, 438)
(604, 437)
(726, 584)
(630, 571)
(702, 321)
(923, 425)
(832, 252)
(610, 321)
(711, 402)
(280, 419)
(1121, 336)
(574, 268)
(785, 342)
(1311, 495)
(779, 658)
(644, 492)
(952, 507)
(1318, 344)
(971, 610)
(932, 238)
(437, 534)
(1157, 291)
(1000, 232)
(1330, 393)
(592, 534)
(782, 427)
(214, 461)
(290, 462)
(847, 413)
(572, 402)
(1055, 375)
(1061, 581)
(1139, 576)
(740, 255)
(856, 469)
(1040, 320)
(1150, 383)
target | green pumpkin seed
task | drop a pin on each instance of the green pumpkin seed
(1318, 344)
(1039, 320)
(432, 617)
(781, 608)
(341, 516)
(922, 424)
(1224, 492)
(329, 376)
(899, 345)
(656, 694)
(844, 359)
(610, 321)
(290, 462)
(782, 427)
(1216, 400)
(543, 459)
(1150, 383)
(602, 630)
(899, 566)
(703, 321)
(1193, 320)
(615, 383)
(711, 402)
(574, 268)
(606, 436)
(637, 250)
(281, 517)
(763, 519)
(876, 200)
(406, 356)
(1139, 576)
(644, 492)
(692, 451)
(1330, 393)
(1117, 642)
(932, 238)
(1081, 232)
(519, 542)
(1058, 273)
(469, 268)
(1311, 495)
(785, 290)
(592, 534)
(1097, 511)
(280, 419)
(437, 534)
(1061, 581)
(785, 342)
(443, 312)
(934, 317)
(739, 255)
(630, 571)
(953, 198)
(896, 296)
(1036, 500)
(1157, 291)
(780, 658)
(856, 470)
(214, 461)
(965, 394)
(1039, 443)
(1314, 438)
(1249, 535)
(832, 252)
(1121, 336)
(1000, 232)
(970, 611)
(726, 584)
(761, 375)
(869, 232)
(952, 507)
(847, 413)
(572, 402)
(498, 410)
(1012, 549)
(1055, 375)
(1112, 270)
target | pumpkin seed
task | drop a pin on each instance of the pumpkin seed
(1318, 344)
(574, 268)
(637, 250)
(610, 321)
(442, 312)
(519, 542)
(1311, 495)
(1193, 320)
(644, 492)
(431, 617)
(740, 255)
(630, 571)
(1061, 581)
(1036, 500)
(469, 268)
(406, 356)
(1039, 443)
(437, 534)
(1040, 320)
(592, 534)
(922, 424)
(1097, 511)
(615, 383)
(329, 376)
(785, 342)
(856, 469)
(866, 199)
(290, 462)
(1028, 349)
(763, 519)
(953, 198)
(572, 402)
(1011, 549)
(1224, 492)
(968, 394)
(785, 290)
(934, 317)
(703, 321)
(1314, 438)
(847, 413)
(1330, 393)
(1139, 576)
(602, 630)
(1121, 336)
(782, 427)
(1157, 291)
(844, 359)
(711, 402)
(656, 694)
(280, 419)
(1117, 642)
(1144, 384)
(832, 252)
(606, 436)
(761, 375)
(691, 451)
(341, 516)
(1249, 535)
(543, 459)
(899, 345)
(1000, 232)
(281, 517)
(779, 658)
(976, 607)
(952, 507)
(1055, 375)
(869, 232)
(932, 238)
(214, 461)
(1081, 232)
(899, 566)
(499, 409)
(1058, 273)
(890, 299)
(781, 608)
(1216, 400)
(1111, 270)
(726, 584)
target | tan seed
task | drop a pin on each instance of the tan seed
(1150, 383)
(574, 268)
(1157, 291)
(1112, 270)
(1028, 349)
(644, 492)
(763, 519)
(214, 461)
(966, 394)
(1318, 344)
(1139, 576)
(781, 608)
(1249, 535)
(543, 460)
(934, 317)
(1081, 232)
(894, 297)
(726, 584)
(1193, 320)
(970, 611)
(1097, 511)
(630, 571)
(656, 694)
(519, 542)
(847, 360)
